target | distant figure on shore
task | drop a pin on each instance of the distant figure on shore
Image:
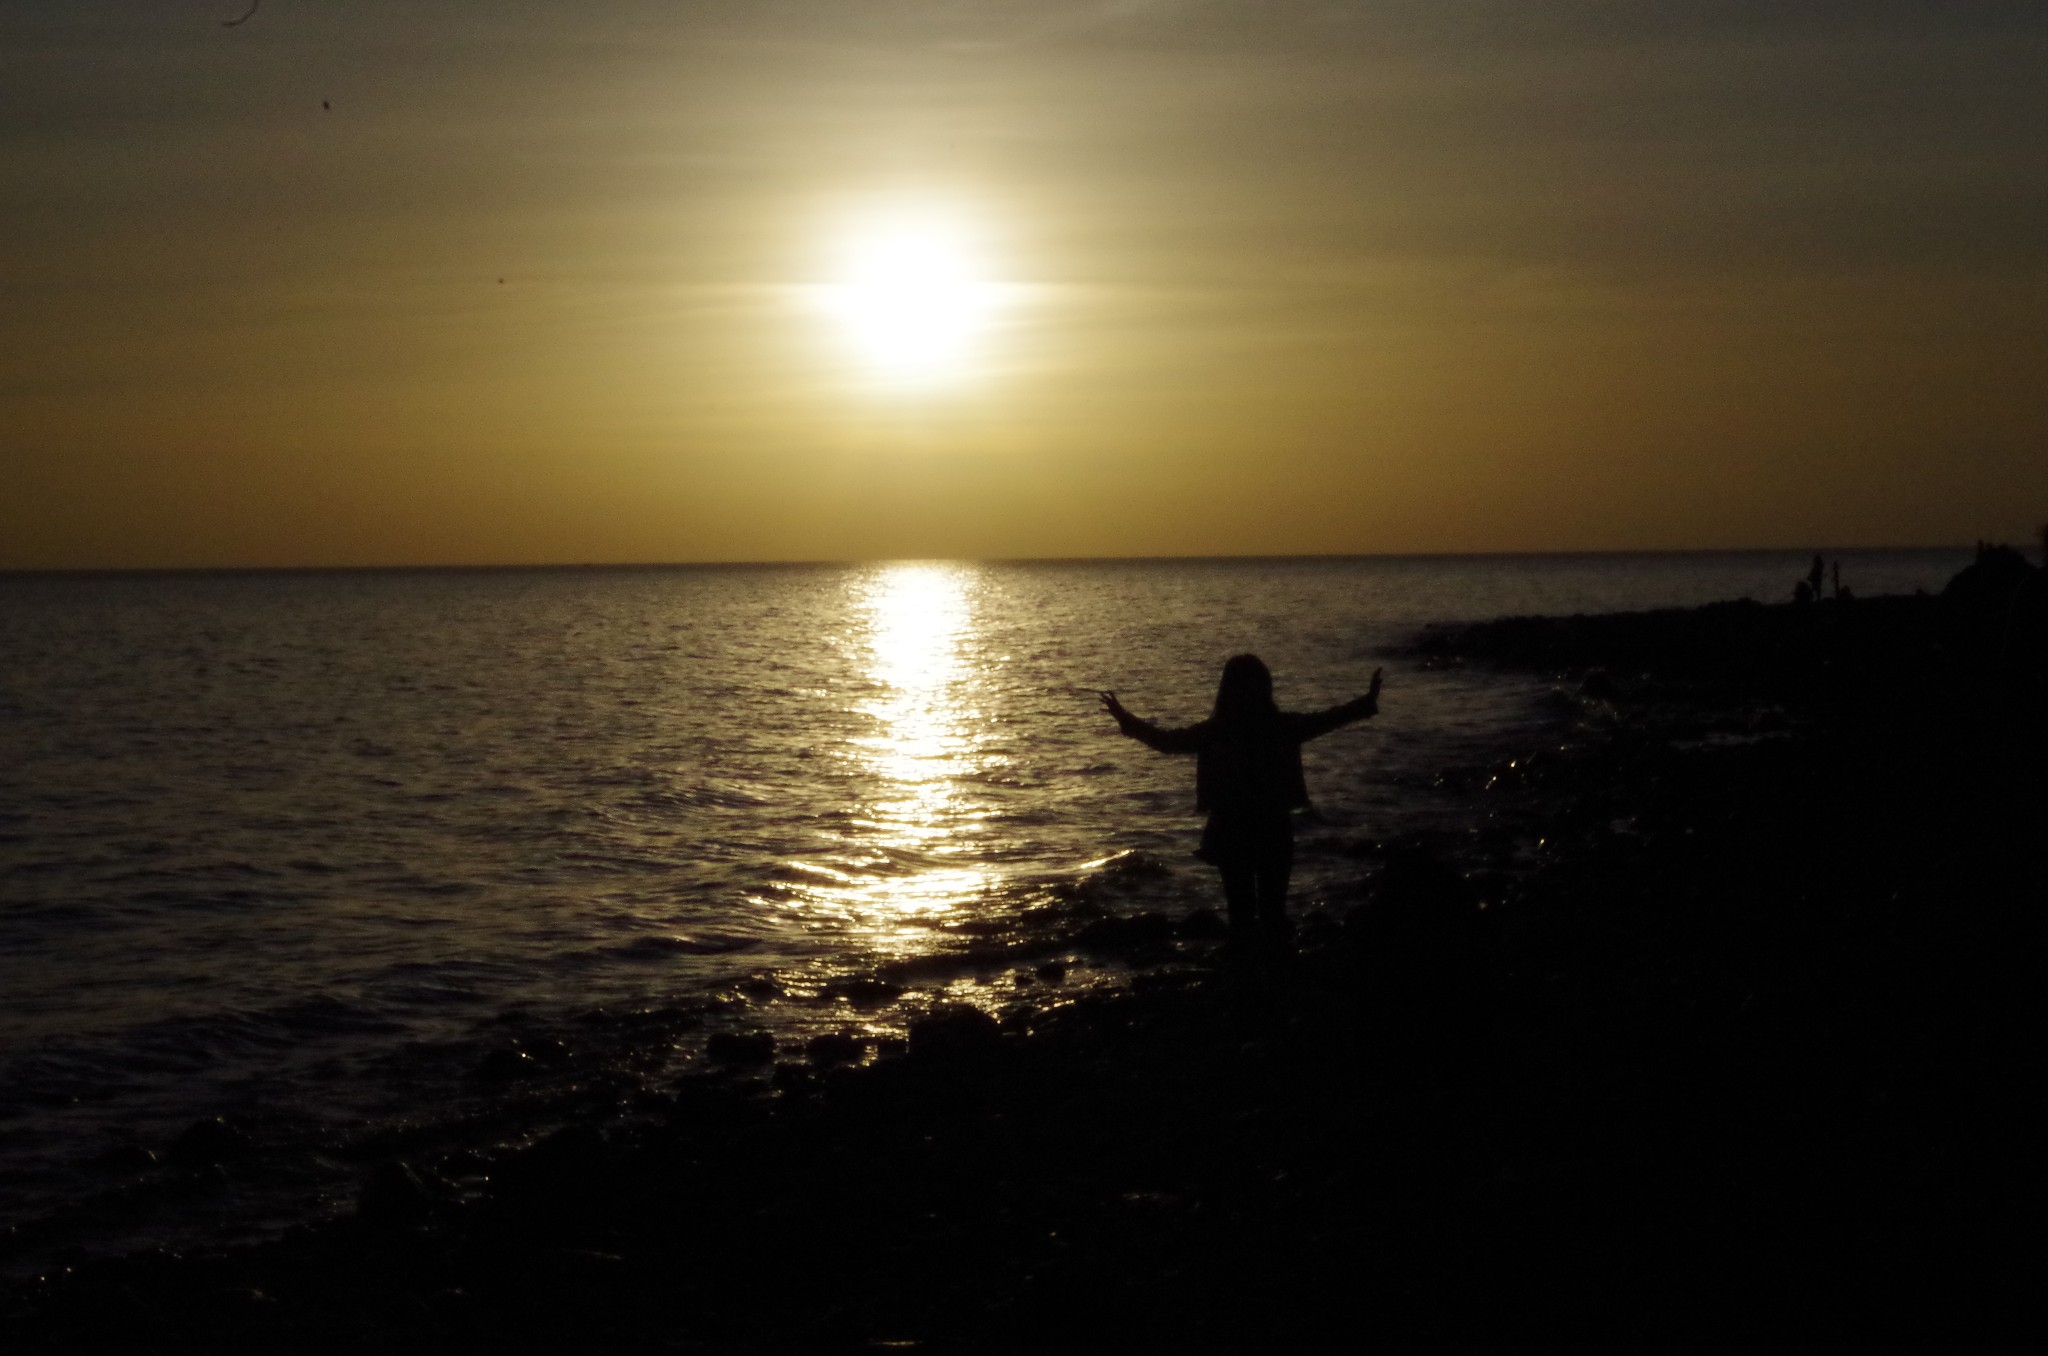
(1248, 780)
(1808, 590)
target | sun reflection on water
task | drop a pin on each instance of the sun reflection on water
(907, 858)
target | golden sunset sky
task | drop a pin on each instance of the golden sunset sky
(454, 283)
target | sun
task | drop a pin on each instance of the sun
(912, 296)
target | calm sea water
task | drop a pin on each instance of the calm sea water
(311, 849)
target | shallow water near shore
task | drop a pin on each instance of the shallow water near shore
(343, 854)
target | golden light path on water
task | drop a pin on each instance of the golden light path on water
(908, 860)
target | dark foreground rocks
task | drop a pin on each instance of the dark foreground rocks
(1750, 1058)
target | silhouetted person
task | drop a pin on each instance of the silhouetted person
(1248, 780)
(1817, 576)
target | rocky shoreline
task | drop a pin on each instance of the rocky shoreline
(1747, 1053)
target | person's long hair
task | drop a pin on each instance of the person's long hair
(1245, 696)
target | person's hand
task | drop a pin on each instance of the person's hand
(1116, 709)
(1372, 694)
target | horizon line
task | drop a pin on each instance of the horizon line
(52, 571)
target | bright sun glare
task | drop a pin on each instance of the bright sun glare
(912, 296)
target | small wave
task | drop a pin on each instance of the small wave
(229, 868)
(1134, 864)
(222, 901)
(1006, 779)
(901, 861)
(417, 886)
(801, 871)
(328, 1015)
(724, 794)
(439, 984)
(655, 948)
(27, 919)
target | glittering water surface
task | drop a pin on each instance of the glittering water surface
(303, 847)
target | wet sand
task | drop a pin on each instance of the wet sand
(1729, 1035)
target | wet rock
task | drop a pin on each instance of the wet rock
(790, 1078)
(124, 1158)
(954, 1032)
(575, 1265)
(836, 1047)
(1318, 929)
(705, 1102)
(1202, 925)
(1770, 720)
(1989, 581)
(507, 1065)
(1124, 938)
(661, 1019)
(562, 1176)
(1413, 941)
(579, 1145)
(210, 1143)
(522, 1058)
(1150, 982)
(1419, 884)
(464, 1164)
(396, 1196)
(698, 1089)
(865, 991)
(935, 967)
(1600, 685)
(740, 1049)
(550, 1051)
(1052, 972)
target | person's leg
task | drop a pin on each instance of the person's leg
(1227, 846)
(1275, 869)
(1240, 895)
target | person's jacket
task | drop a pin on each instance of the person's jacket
(1249, 768)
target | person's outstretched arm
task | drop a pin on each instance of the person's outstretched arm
(1148, 734)
(1358, 708)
